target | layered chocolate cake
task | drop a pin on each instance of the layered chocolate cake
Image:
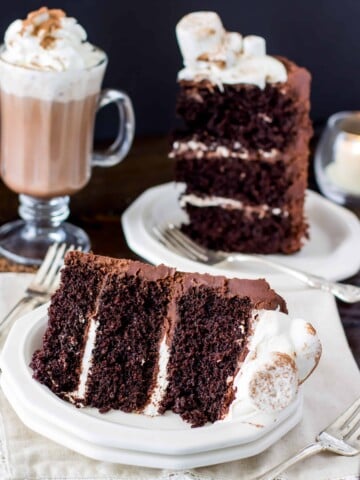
(243, 149)
(125, 335)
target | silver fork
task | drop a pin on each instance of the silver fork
(43, 285)
(341, 437)
(175, 240)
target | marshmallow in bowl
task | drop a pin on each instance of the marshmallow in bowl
(210, 52)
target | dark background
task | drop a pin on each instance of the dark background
(139, 37)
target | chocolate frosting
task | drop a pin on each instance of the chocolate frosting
(258, 291)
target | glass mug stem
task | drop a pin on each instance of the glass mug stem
(26, 241)
(44, 213)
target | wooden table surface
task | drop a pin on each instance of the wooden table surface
(98, 208)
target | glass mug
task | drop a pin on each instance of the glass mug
(47, 128)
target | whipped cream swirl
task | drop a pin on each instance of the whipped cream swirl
(49, 40)
(212, 53)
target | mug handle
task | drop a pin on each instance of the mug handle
(118, 150)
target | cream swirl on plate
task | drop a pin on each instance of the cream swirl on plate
(49, 40)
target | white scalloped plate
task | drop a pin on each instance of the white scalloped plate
(154, 442)
(139, 458)
(332, 252)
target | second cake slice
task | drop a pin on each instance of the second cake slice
(243, 152)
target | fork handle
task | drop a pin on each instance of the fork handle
(343, 291)
(306, 452)
(346, 293)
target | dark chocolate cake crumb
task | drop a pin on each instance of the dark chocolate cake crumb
(256, 118)
(209, 337)
(248, 144)
(235, 230)
(130, 313)
(255, 183)
(204, 319)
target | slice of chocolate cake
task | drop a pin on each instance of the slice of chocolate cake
(129, 336)
(243, 152)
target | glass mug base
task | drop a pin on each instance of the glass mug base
(27, 244)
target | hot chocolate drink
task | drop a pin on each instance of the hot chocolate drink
(50, 81)
(46, 166)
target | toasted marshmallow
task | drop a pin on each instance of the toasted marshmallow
(211, 53)
(273, 382)
(307, 347)
(198, 34)
(282, 352)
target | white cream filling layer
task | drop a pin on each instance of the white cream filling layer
(282, 352)
(161, 382)
(152, 408)
(229, 203)
(201, 150)
(86, 362)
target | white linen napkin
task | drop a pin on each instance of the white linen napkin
(332, 387)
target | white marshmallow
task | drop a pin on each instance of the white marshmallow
(232, 48)
(211, 53)
(254, 46)
(273, 383)
(199, 33)
(306, 345)
(282, 353)
(234, 42)
(248, 70)
(273, 70)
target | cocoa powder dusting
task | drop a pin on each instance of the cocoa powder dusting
(204, 57)
(44, 27)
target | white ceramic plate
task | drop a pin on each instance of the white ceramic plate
(157, 441)
(139, 458)
(332, 252)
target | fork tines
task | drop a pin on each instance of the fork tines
(346, 427)
(174, 239)
(349, 421)
(47, 278)
(43, 285)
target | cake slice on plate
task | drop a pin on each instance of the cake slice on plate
(126, 335)
(243, 152)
